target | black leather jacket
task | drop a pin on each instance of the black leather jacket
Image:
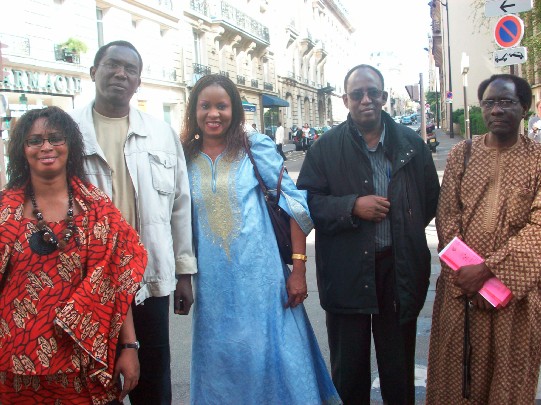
(335, 172)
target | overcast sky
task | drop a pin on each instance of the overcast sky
(398, 26)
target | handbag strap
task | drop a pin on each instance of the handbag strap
(264, 188)
(467, 154)
(467, 348)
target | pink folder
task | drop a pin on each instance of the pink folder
(457, 254)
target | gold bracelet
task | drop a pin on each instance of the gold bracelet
(299, 256)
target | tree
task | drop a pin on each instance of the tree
(431, 98)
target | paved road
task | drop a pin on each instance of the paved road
(181, 326)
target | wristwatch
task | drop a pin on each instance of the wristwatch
(135, 345)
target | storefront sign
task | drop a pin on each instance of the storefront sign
(25, 80)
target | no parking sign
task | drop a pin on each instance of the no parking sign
(509, 31)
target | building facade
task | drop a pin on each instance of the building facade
(460, 27)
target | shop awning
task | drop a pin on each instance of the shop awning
(273, 101)
(248, 106)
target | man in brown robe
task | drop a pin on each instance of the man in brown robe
(494, 205)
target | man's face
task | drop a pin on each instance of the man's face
(365, 98)
(117, 76)
(502, 122)
(539, 110)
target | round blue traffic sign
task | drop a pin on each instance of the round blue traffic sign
(509, 31)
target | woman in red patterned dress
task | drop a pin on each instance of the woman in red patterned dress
(69, 268)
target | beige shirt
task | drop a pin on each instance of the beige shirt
(111, 134)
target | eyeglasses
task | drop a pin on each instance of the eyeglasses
(115, 66)
(504, 104)
(53, 139)
(358, 95)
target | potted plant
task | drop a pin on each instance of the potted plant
(71, 49)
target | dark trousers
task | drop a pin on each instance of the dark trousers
(152, 328)
(279, 147)
(304, 143)
(349, 342)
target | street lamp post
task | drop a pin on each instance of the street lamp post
(465, 67)
(438, 101)
(450, 89)
(451, 131)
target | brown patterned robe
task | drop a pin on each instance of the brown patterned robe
(496, 210)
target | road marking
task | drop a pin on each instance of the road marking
(420, 377)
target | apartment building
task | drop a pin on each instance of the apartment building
(460, 27)
(287, 66)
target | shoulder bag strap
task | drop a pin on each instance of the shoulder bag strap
(467, 348)
(264, 188)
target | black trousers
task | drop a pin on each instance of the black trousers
(350, 339)
(151, 322)
(279, 147)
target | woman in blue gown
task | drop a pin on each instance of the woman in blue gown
(252, 340)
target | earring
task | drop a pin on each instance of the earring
(196, 137)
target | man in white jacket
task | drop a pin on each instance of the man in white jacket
(279, 139)
(139, 162)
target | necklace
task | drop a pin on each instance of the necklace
(44, 241)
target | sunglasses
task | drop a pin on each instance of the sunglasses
(372, 94)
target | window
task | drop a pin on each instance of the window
(99, 26)
(167, 113)
(197, 48)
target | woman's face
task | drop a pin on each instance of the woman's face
(45, 150)
(214, 112)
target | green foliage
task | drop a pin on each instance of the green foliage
(477, 125)
(74, 45)
(531, 39)
(431, 97)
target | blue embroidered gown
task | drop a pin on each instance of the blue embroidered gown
(247, 348)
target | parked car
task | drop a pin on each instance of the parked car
(406, 120)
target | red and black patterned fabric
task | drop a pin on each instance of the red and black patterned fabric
(61, 313)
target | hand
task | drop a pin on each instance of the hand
(471, 278)
(127, 364)
(478, 301)
(296, 285)
(183, 295)
(371, 208)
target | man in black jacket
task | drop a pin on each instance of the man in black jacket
(372, 189)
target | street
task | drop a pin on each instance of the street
(181, 326)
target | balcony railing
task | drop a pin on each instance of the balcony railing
(255, 83)
(66, 55)
(268, 86)
(241, 79)
(201, 69)
(167, 4)
(201, 6)
(15, 45)
(238, 19)
(226, 12)
(224, 73)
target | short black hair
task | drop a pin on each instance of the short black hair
(103, 49)
(18, 170)
(523, 88)
(363, 66)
